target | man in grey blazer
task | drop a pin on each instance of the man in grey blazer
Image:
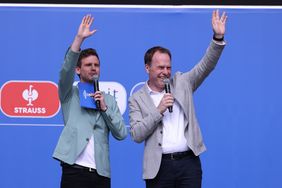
(173, 140)
(83, 147)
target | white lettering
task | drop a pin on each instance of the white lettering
(29, 110)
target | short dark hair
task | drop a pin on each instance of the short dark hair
(86, 53)
(150, 53)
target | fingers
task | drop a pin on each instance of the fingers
(86, 23)
(87, 20)
(217, 14)
(90, 20)
(216, 17)
(93, 31)
(218, 22)
(165, 102)
(98, 95)
(168, 100)
(223, 18)
(213, 14)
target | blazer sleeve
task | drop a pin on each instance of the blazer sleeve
(114, 119)
(67, 74)
(143, 120)
(208, 62)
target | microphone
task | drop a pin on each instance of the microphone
(167, 90)
(96, 88)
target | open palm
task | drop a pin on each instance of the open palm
(84, 28)
(218, 23)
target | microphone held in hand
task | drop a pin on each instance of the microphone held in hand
(96, 88)
(167, 90)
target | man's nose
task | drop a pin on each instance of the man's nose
(166, 71)
(93, 67)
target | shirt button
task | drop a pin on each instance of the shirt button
(160, 144)
(87, 139)
(161, 132)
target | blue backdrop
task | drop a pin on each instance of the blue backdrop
(238, 106)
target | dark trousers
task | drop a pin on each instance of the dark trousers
(75, 177)
(185, 172)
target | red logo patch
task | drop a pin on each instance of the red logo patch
(30, 99)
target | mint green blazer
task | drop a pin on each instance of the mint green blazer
(81, 123)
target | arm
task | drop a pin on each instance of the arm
(83, 32)
(142, 124)
(199, 72)
(114, 119)
(68, 70)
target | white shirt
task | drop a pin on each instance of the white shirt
(173, 125)
(86, 157)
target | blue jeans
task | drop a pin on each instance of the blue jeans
(82, 178)
(185, 172)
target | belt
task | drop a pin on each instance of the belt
(84, 168)
(177, 155)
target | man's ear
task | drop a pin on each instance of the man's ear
(147, 68)
(77, 70)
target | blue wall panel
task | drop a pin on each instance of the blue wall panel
(238, 106)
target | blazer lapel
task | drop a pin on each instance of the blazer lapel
(145, 97)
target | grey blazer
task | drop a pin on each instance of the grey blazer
(146, 120)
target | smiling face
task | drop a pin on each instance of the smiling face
(89, 67)
(158, 69)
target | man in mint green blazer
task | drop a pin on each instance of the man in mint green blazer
(83, 147)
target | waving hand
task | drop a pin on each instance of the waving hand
(218, 24)
(83, 32)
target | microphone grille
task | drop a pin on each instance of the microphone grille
(166, 81)
(95, 77)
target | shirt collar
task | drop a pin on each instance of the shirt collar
(151, 92)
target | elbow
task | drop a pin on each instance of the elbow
(135, 138)
(122, 135)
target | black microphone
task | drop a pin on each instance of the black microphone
(96, 88)
(167, 90)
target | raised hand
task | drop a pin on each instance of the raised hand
(83, 32)
(84, 28)
(218, 23)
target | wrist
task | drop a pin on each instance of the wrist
(104, 109)
(217, 37)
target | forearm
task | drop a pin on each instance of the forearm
(77, 42)
(200, 71)
(115, 122)
(142, 127)
(212, 55)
